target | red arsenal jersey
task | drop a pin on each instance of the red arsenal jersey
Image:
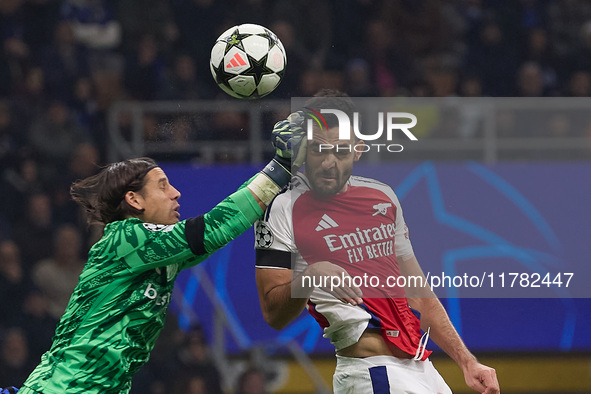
(361, 230)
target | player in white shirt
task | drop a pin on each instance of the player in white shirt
(331, 225)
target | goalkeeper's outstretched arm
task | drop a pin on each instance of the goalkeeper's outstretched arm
(239, 211)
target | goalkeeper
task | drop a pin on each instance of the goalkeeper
(119, 305)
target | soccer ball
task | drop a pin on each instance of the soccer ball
(248, 61)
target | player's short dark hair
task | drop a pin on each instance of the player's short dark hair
(331, 99)
(102, 196)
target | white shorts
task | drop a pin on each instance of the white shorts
(387, 375)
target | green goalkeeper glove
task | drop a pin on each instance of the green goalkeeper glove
(289, 140)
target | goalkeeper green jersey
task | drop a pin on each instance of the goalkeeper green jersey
(119, 305)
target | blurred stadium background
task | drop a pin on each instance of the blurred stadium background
(504, 153)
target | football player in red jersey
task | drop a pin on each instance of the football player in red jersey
(336, 227)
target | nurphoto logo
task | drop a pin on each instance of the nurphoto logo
(388, 122)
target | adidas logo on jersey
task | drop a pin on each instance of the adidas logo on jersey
(326, 222)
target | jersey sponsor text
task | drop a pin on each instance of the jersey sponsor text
(376, 241)
(152, 294)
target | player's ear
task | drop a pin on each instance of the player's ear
(134, 200)
(359, 150)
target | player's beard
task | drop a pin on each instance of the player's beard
(327, 188)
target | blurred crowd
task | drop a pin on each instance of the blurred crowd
(63, 63)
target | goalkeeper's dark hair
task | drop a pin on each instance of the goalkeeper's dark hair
(331, 99)
(102, 196)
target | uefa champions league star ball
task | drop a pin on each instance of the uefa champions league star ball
(248, 61)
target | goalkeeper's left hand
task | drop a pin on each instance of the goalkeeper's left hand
(289, 140)
(9, 390)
